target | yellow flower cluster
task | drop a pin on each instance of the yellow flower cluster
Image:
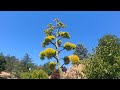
(74, 59)
(47, 40)
(49, 53)
(48, 31)
(52, 65)
(42, 55)
(64, 34)
(69, 46)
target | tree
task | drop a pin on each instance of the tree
(108, 48)
(26, 63)
(105, 63)
(54, 37)
(47, 69)
(81, 51)
(11, 63)
(2, 63)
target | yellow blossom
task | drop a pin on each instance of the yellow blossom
(42, 55)
(64, 34)
(69, 46)
(49, 53)
(52, 65)
(49, 38)
(74, 59)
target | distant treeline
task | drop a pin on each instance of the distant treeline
(17, 67)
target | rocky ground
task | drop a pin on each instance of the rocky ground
(5, 75)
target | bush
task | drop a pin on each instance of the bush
(75, 72)
(105, 63)
(96, 68)
(55, 74)
(108, 48)
(2, 63)
(35, 74)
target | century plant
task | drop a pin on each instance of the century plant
(54, 36)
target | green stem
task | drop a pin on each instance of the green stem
(57, 54)
(60, 70)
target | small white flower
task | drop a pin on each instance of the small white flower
(110, 54)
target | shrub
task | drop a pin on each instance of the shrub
(2, 63)
(75, 72)
(35, 74)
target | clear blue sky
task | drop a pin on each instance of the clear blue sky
(22, 31)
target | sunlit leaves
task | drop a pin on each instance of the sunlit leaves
(108, 48)
(35, 74)
(96, 68)
(106, 61)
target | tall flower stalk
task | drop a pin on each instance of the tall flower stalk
(54, 36)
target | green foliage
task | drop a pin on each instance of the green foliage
(81, 51)
(108, 48)
(47, 69)
(105, 63)
(12, 63)
(66, 60)
(35, 74)
(52, 65)
(2, 63)
(26, 63)
(98, 69)
(60, 24)
(16, 66)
